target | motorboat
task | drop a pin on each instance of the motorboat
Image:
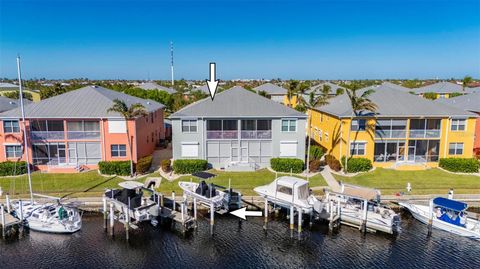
(49, 217)
(356, 205)
(132, 196)
(448, 215)
(207, 194)
(288, 191)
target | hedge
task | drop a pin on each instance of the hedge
(356, 165)
(13, 168)
(143, 165)
(287, 165)
(189, 166)
(119, 168)
(462, 165)
(333, 163)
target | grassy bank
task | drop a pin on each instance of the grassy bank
(92, 184)
(78, 184)
(432, 181)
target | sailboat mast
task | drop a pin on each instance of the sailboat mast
(25, 141)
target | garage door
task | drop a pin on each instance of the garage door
(189, 149)
(288, 149)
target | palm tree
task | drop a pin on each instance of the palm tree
(315, 101)
(129, 113)
(291, 90)
(466, 80)
(358, 103)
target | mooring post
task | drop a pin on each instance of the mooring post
(173, 199)
(112, 219)
(212, 220)
(161, 200)
(20, 206)
(430, 217)
(2, 212)
(299, 211)
(330, 224)
(195, 211)
(7, 200)
(127, 223)
(265, 219)
(292, 220)
(105, 216)
(365, 211)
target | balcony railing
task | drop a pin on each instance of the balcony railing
(222, 134)
(390, 133)
(424, 133)
(267, 134)
(43, 135)
(79, 135)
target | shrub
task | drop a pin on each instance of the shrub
(356, 165)
(333, 163)
(189, 166)
(13, 168)
(166, 165)
(143, 165)
(287, 165)
(119, 168)
(315, 165)
(430, 95)
(316, 152)
(463, 165)
(455, 94)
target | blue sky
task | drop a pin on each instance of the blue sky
(247, 39)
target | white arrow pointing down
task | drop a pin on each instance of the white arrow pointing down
(243, 213)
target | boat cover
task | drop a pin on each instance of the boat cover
(450, 204)
(204, 175)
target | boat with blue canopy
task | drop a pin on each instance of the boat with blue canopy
(448, 215)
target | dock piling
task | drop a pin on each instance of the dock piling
(430, 218)
(7, 200)
(112, 223)
(161, 200)
(299, 211)
(2, 212)
(330, 224)
(364, 221)
(266, 215)
(20, 206)
(292, 220)
(212, 220)
(195, 211)
(127, 223)
(173, 200)
(105, 216)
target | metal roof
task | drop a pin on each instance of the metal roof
(86, 102)
(237, 102)
(155, 86)
(9, 104)
(440, 87)
(469, 102)
(7, 85)
(393, 103)
(270, 88)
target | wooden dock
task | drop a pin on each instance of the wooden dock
(7, 221)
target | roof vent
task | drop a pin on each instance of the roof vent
(12, 103)
(94, 86)
(148, 103)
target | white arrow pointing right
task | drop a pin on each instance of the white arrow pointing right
(243, 213)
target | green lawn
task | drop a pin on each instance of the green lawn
(91, 184)
(241, 181)
(78, 184)
(432, 181)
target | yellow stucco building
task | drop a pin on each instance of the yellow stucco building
(406, 131)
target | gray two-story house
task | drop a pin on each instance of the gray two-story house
(238, 130)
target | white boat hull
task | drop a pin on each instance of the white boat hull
(422, 213)
(190, 188)
(374, 221)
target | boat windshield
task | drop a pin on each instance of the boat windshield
(303, 192)
(284, 189)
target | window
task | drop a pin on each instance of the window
(455, 149)
(214, 125)
(38, 126)
(119, 150)
(390, 128)
(357, 148)
(55, 125)
(190, 150)
(84, 152)
(284, 189)
(13, 151)
(389, 151)
(264, 125)
(289, 125)
(189, 126)
(248, 125)
(458, 125)
(358, 125)
(49, 153)
(11, 126)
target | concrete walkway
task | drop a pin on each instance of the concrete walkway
(331, 181)
(159, 155)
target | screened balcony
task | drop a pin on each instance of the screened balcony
(425, 128)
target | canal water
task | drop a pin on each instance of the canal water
(236, 245)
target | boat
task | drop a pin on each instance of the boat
(353, 202)
(132, 196)
(207, 194)
(49, 217)
(448, 215)
(288, 191)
